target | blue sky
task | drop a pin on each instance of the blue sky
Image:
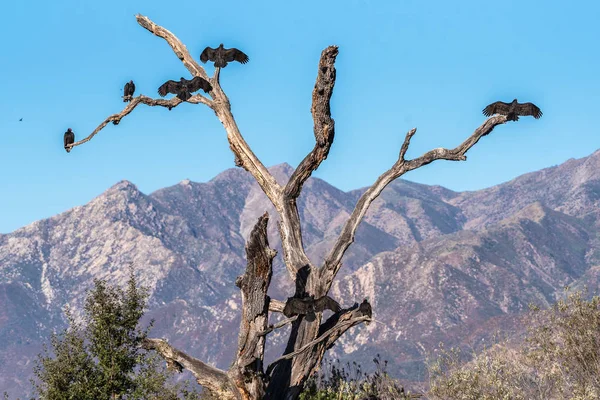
(427, 64)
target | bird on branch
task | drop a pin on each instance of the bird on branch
(184, 87)
(221, 56)
(128, 91)
(366, 309)
(512, 110)
(309, 306)
(69, 139)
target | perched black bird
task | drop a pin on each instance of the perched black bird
(365, 308)
(309, 306)
(184, 88)
(221, 56)
(512, 110)
(69, 139)
(128, 91)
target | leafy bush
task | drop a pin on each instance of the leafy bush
(101, 358)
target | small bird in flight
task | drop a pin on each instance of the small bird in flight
(69, 139)
(512, 110)
(221, 56)
(20, 119)
(184, 87)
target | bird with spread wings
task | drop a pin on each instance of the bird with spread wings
(184, 88)
(221, 56)
(512, 110)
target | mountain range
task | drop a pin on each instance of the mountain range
(437, 265)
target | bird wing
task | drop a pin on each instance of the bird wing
(207, 54)
(529, 109)
(169, 87)
(498, 107)
(126, 89)
(327, 303)
(237, 55)
(295, 306)
(69, 138)
(199, 83)
(132, 88)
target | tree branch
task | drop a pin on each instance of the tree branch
(329, 332)
(276, 305)
(406, 143)
(278, 325)
(324, 131)
(214, 379)
(179, 48)
(333, 261)
(141, 99)
(323, 124)
(247, 370)
(244, 156)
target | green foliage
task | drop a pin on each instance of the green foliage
(558, 359)
(101, 358)
(349, 382)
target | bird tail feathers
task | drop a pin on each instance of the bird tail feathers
(184, 95)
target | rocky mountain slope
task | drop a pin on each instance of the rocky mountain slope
(436, 265)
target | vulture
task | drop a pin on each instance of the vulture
(309, 306)
(128, 91)
(365, 308)
(221, 56)
(184, 88)
(21, 120)
(69, 139)
(512, 110)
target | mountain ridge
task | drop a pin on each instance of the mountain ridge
(436, 264)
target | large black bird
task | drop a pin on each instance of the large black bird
(366, 309)
(128, 91)
(69, 139)
(309, 306)
(221, 56)
(512, 110)
(184, 88)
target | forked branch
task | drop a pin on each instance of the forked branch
(141, 99)
(324, 130)
(329, 332)
(333, 260)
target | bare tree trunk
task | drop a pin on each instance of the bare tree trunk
(311, 337)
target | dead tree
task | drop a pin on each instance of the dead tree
(310, 337)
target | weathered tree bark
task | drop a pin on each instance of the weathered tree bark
(247, 369)
(309, 339)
